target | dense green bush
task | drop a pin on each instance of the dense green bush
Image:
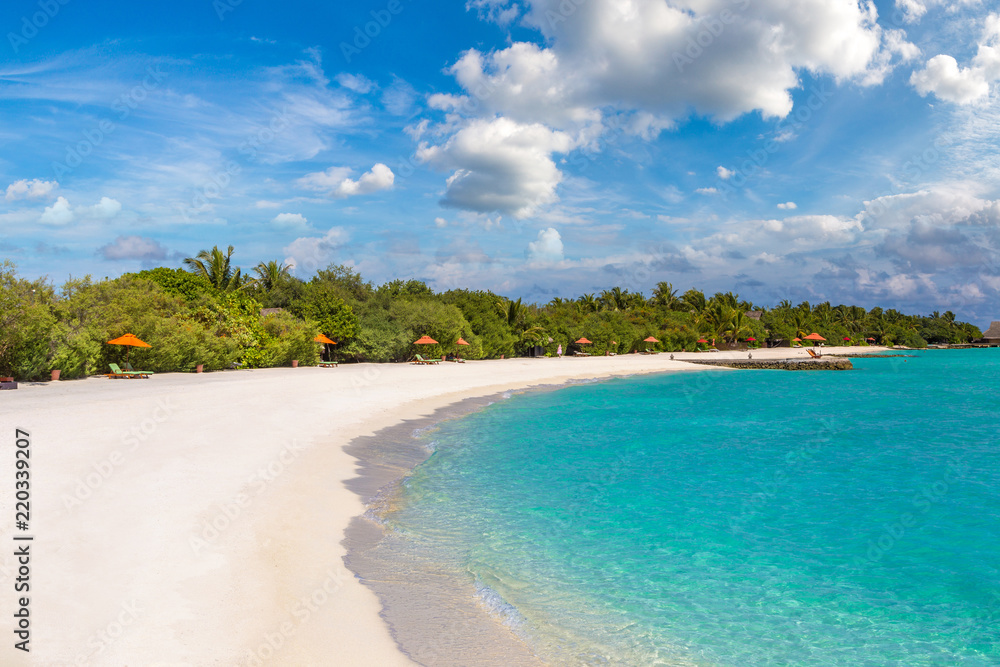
(212, 316)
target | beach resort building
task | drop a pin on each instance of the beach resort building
(992, 335)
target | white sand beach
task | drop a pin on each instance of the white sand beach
(197, 519)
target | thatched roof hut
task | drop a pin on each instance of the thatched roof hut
(992, 335)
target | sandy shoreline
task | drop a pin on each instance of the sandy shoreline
(198, 519)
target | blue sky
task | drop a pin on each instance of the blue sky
(811, 150)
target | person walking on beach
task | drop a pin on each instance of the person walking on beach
(559, 351)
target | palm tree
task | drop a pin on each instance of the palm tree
(514, 313)
(588, 303)
(217, 268)
(665, 295)
(615, 299)
(271, 273)
(694, 300)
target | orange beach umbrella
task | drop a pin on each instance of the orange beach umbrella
(701, 340)
(320, 338)
(583, 341)
(425, 340)
(650, 340)
(461, 341)
(130, 341)
(814, 336)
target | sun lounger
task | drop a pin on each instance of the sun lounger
(129, 369)
(327, 364)
(812, 353)
(118, 373)
(430, 362)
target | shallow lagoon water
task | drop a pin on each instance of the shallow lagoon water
(726, 518)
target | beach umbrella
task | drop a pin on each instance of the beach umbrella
(460, 341)
(751, 340)
(320, 338)
(847, 338)
(130, 341)
(650, 340)
(871, 339)
(583, 341)
(425, 340)
(814, 337)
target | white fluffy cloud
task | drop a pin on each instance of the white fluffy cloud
(290, 220)
(105, 209)
(788, 206)
(33, 189)
(912, 11)
(635, 66)
(548, 247)
(336, 183)
(60, 213)
(500, 165)
(724, 173)
(665, 58)
(356, 82)
(944, 78)
(133, 247)
(307, 254)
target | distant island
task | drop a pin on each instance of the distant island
(215, 315)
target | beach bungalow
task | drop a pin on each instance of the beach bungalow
(991, 336)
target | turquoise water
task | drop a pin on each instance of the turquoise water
(731, 518)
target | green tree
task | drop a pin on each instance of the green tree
(178, 282)
(217, 268)
(27, 325)
(323, 304)
(271, 274)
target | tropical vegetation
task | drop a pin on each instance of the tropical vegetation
(214, 314)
